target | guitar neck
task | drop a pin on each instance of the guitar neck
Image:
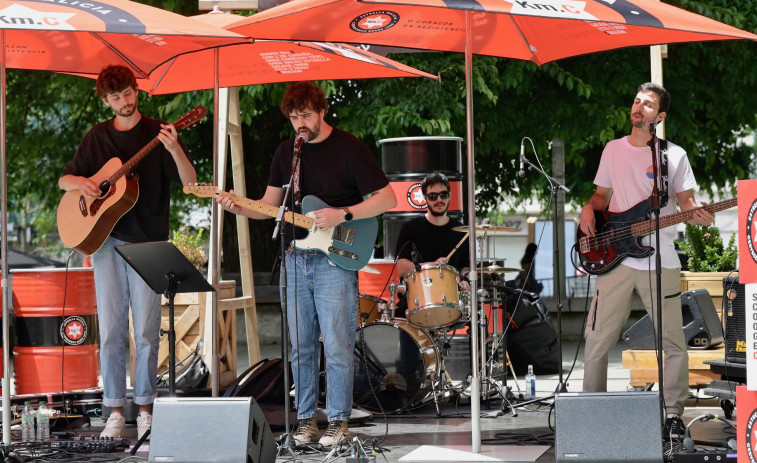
(132, 163)
(298, 220)
(647, 227)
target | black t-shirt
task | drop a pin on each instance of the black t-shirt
(340, 170)
(148, 219)
(433, 242)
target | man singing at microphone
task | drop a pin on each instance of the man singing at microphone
(429, 239)
(623, 180)
(321, 298)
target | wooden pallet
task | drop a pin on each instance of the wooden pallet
(643, 366)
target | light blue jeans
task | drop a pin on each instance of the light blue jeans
(322, 299)
(117, 284)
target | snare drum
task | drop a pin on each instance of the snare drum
(369, 310)
(432, 298)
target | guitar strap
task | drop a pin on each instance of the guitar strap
(663, 172)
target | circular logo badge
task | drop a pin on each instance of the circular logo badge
(750, 438)
(375, 21)
(73, 330)
(751, 229)
(415, 197)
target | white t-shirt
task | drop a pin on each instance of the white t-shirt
(627, 169)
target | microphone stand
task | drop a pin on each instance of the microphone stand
(555, 185)
(287, 441)
(655, 209)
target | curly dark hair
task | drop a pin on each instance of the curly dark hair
(301, 96)
(432, 179)
(114, 78)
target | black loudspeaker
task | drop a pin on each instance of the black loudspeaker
(701, 325)
(608, 427)
(210, 430)
(735, 314)
(534, 341)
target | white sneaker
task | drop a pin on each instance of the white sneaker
(144, 422)
(115, 427)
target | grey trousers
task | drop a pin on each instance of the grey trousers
(610, 309)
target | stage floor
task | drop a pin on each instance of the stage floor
(421, 435)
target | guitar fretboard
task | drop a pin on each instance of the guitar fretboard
(647, 227)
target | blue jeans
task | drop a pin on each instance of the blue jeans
(322, 299)
(117, 284)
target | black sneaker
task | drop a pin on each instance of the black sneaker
(674, 429)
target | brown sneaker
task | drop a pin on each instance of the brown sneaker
(307, 431)
(334, 433)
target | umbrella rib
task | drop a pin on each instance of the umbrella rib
(140, 72)
(162, 75)
(534, 58)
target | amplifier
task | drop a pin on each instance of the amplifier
(87, 444)
(701, 455)
(734, 314)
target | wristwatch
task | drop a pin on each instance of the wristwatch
(347, 214)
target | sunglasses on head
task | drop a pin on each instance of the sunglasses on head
(435, 196)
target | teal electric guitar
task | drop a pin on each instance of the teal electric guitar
(348, 245)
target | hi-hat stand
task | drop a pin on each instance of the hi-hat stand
(168, 272)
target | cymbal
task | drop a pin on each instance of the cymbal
(499, 269)
(488, 229)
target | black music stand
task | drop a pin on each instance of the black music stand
(168, 272)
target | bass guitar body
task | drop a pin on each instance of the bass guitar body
(84, 223)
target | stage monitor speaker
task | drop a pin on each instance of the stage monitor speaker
(734, 313)
(210, 430)
(608, 427)
(701, 325)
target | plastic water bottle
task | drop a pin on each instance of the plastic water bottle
(43, 422)
(530, 383)
(27, 422)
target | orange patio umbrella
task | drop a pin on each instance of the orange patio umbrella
(82, 37)
(539, 31)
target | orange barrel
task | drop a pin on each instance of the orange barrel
(55, 316)
(377, 284)
(406, 162)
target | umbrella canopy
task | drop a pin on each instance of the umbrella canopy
(269, 61)
(536, 31)
(82, 37)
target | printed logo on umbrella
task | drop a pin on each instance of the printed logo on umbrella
(554, 8)
(21, 17)
(375, 21)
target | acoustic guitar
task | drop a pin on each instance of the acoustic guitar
(84, 222)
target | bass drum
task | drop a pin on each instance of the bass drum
(394, 365)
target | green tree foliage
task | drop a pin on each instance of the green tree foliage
(706, 251)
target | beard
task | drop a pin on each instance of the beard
(436, 213)
(126, 111)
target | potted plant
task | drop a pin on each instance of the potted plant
(709, 261)
(190, 243)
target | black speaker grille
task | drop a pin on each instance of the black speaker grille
(734, 313)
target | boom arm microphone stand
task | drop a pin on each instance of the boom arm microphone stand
(287, 442)
(655, 209)
(555, 185)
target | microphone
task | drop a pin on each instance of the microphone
(522, 172)
(414, 257)
(301, 139)
(653, 126)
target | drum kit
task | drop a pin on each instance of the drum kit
(399, 362)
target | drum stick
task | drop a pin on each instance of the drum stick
(458, 245)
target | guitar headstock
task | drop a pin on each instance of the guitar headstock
(195, 115)
(201, 191)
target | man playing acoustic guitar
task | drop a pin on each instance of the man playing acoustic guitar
(623, 180)
(116, 283)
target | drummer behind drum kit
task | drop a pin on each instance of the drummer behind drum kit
(399, 362)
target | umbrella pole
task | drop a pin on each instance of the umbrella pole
(215, 252)
(4, 253)
(475, 404)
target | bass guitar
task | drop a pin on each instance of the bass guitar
(84, 222)
(348, 245)
(619, 234)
